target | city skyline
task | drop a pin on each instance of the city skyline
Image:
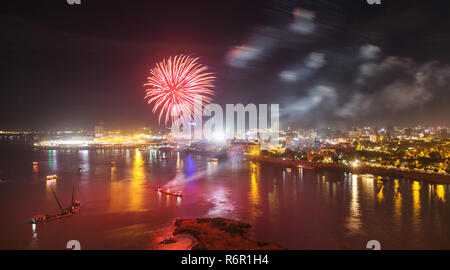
(290, 53)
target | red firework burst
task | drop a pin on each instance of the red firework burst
(175, 84)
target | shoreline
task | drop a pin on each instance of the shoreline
(183, 241)
(377, 171)
(213, 234)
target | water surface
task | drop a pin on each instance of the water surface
(301, 209)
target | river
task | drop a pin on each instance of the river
(298, 209)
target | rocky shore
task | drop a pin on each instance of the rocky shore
(220, 234)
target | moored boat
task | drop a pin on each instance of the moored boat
(169, 192)
(52, 177)
(69, 211)
(212, 159)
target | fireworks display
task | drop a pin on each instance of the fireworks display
(175, 84)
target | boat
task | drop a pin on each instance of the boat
(168, 192)
(168, 241)
(52, 177)
(212, 159)
(165, 149)
(69, 211)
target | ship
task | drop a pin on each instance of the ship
(52, 177)
(212, 159)
(168, 192)
(69, 211)
(168, 241)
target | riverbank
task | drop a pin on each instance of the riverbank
(362, 169)
(220, 234)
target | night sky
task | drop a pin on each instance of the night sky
(327, 63)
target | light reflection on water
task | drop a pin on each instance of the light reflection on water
(440, 192)
(415, 187)
(222, 206)
(397, 204)
(353, 220)
(127, 195)
(299, 209)
(254, 196)
(380, 187)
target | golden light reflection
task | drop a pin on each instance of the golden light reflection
(137, 182)
(118, 201)
(397, 202)
(354, 219)
(380, 188)
(49, 185)
(129, 196)
(415, 188)
(368, 186)
(113, 173)
(254, 196)
(440, 192)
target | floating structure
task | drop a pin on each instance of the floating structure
(168, 192)
(65, 211)
(212, 159)
(168, 241)
(52, 177)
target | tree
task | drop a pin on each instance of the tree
(317, 159)
(435, 156)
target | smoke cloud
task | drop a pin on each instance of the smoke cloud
(269, 38)
(400, 83)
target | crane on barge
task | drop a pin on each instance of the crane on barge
(65, 211)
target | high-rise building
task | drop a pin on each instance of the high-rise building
(390, 130)
(99, 130)
(408, 131)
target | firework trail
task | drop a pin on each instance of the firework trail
(175, 84)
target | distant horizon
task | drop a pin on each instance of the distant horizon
(160, 128)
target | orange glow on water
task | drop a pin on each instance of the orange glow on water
(254, 196)
(440, 192)
(416, 204)
(127, 195)
(397, 202)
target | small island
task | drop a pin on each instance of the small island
(220, 234)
